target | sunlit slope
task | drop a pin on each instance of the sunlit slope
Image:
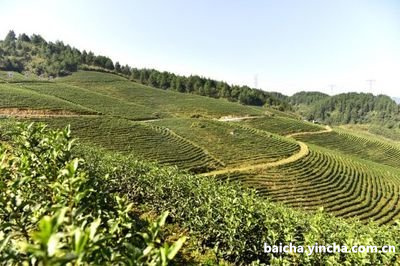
(91, 77)
(102, 104)
(363, 147)
(12, 76)
(197, 145)
(349, 175)
(281, 125)
(146, 141)
(161, 101)
(110, 94)
(343, 185)
(17, 96)
(372, 131)
(230, 143)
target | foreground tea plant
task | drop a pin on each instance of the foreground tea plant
(53, 212)
(235, 222)
(57, 209)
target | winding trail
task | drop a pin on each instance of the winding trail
(236, 118)
(326, 130)
(304, 150)
(40, 113)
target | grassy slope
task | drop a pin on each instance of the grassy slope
(16, 77)
(236, 224)
(116, 97)
(374, 131)
(344, 185)
(220, 217)
(370, 148)
(93, 100)
(16, 96)
(282, 125)
(231, 144)
(166, 102)
(143, 140)
(202, 144)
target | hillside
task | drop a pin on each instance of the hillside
(55, 210)
(348, 108)
(232, 173)
(307, 97)
(289, 161)
(261, 147)
(34, 56)
(95, 189)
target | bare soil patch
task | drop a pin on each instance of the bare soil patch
(26, 112)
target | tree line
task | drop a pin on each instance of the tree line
(35, 55)
(346, 108)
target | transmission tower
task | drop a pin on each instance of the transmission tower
(371, 84)
(332, 86)
(256, 81)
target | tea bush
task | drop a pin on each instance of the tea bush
(53, 212)
(235, 222)
(56, 208)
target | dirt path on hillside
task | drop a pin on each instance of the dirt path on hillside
(326, 130)
(40, 113)
(294, 157)
(237, 118)
(304, 151)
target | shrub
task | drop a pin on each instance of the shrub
(53, 212)
(235, 222)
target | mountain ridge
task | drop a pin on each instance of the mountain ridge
(33, 54)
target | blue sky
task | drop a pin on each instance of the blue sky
(289, 45)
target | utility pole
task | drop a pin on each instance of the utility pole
(256, 81)
(371, 83)
(332, 86)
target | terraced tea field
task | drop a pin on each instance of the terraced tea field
(91, 77)
(145, 141)
(15, 77)
(15, 96)
(281, 125)
(95, 101)
(362, 147)
(166, 143)
(168, 103)
(343, 185)
(286, 159)
(232, 144)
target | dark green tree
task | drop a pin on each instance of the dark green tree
(117, 67)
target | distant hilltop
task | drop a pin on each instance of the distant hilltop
(23, 56)
(396, 99)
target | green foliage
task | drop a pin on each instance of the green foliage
(281, 125)
(144, 140)
(307, 97)
(344, 186)
(53, 212)
(166, 103)
(102, 104)
(33, 54)
(230, 143)
(352, 108)
(56, 208)
(15, 96)
(207, 87)
(235, 223)
(380, 151)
